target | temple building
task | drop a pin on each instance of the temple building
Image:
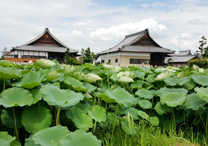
(46, 46)
(135, 49)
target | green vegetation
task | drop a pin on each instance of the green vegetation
(61, 105)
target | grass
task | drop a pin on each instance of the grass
(150, 136)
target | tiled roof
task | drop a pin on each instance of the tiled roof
(176, 59)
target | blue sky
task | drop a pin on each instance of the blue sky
(101, 24)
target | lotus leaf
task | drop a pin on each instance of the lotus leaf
(82, 138)
(136, 84)
(162, 109)
(143, 115)
(145, 104)
(90, 88)
(44, 63)
(189, 85)
(173, 99)
(125, 73)
(144, 93)
(78, 75)
(154, 121)
(129, 130)
(97, 113)
(165, 90)
(31, 80)
(53, 136)
(194, 102)
(36, 95)
(92, 78)
(183, 74)
(150, 78)
(163, 75)
(202, 92)
(76, 110)
(75, 84)
(15, 143)
(6, 139)
(16, 97)
(7, 117)
(121, 96)
(125, 79)
(68, 69)
(29, 142)
(132, 111)
(83, 122)
(52, 75)
(175, 81)
(200, 79)
(9, 73)
(139, 74)
(5, 63)
(55, 96)
(36, 118)
(105, 97)
(111, 120)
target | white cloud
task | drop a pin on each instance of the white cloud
(77, 33)
(119, 31)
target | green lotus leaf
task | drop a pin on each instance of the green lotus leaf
(97, 113)
(9, 73)
(111, 121)
(154, 121)
(53, 136)
(75, 84)
(139, 74)
(162, 109)
(56, 96)
(143, 115)
(36, 95)
(7, 117)
(129, 130)
(194, 102)
(175, 81)
(145, 104)
(189, 85)
(31, 80)
(35, 119)
(5, 63)
(92, 78)
(144, 93)
(16, 97)
(68, 69)
(183, 74)
(114, 77)
(29, 141)
(83, 122)
(44, 63)
(6, 139)
(125, 73)
(173, 99)
(200, 79)
(165, 90)
(132, 111)
(76, 110)
(202, 93)
(78, 75)
(125, 79)
(52, 75)
(163, 75)
(150, 78)
(15, 143)
(82, 138)
(106, 98)
(136, 84)
(90, 88)
(121, 96)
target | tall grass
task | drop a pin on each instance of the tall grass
(150, 136)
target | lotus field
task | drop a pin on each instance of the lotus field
(48, 104)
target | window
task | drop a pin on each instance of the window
(109, 61)
(102, 61)
(116, 60)
(139, 61)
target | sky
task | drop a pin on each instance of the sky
(102, 24)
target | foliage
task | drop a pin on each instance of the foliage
(53, 104)
(202, 49)
(88, 56)
(69, 59)
(202, 63)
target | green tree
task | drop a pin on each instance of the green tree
(67, 56)
(202, 49)
(87, 58)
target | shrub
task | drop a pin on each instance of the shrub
(202, 63)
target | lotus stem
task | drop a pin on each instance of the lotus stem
(114, 123)
(174, 120)
(207, 129)
(94, 127)
(4, 86)
(15, 124)
(58, 116)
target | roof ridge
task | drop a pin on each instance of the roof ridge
(140, 32)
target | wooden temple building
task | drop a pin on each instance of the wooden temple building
(46, 46)
(135, 49)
